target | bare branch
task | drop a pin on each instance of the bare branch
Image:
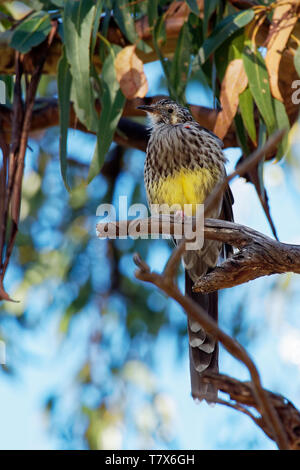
(198, 314)
(258, 254)
(242, 398)
(133, 134)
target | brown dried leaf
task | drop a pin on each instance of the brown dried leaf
(283, 22)
(130, 73)
(234, 83)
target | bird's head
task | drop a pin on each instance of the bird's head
(167, 112)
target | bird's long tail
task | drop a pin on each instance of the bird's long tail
(203, 349)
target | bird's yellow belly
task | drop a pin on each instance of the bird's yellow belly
(185, 187)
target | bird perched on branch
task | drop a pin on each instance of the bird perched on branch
(184, 163)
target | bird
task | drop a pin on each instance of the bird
(184, 162)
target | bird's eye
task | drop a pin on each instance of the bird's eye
(170, 110)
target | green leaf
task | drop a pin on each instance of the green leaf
(98, 12)
(180, 65)
(297, 60)
(159, 38)
(78, 24)
(196, 36)
(152, 12)
(125, 21)
(44, 4)
(262, 138)
(241, 135)
(112, 104)
(236, 46)
(31, 32)
(8, 87)
(223, 30)
(104, 25)
(247, 112)
(59, 3)
(209, 8)
(259, 85)
(193, 6)
(64, 80)
(282, 123)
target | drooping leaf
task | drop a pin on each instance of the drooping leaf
(104, 25)
(259, 85)
(159, 38)
(193, 6)
(45, 4)
(246, 105)
(112, 103)
(180, 64)
(125, 21)
(64, 80)
(6, 89)
(262, 137)
(31, 32)
(78, 23)
(209, 8)
(241, 135)
(233, 84)
(152, 12)
(130, 73)
(283, 22)
(282, 123)
(98, 12)
(223, 30)
(236, 46)
(196, 36)
(297, 60)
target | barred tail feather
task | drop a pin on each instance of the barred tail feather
(203, 349)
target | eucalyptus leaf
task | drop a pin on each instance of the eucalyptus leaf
(297, 60)
(241, 135)
(78, 24)
(223, 30)
(246, 105)
(64, 80)
(152, 12)
(112, 104)
(31, 32)
(282, 123)
(125, 21)
(95, 30)
(262, 138)
(209, 8)
(259, 85)
(193, 6)
(180, 65)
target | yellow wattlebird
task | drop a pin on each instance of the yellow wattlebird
(184, 163)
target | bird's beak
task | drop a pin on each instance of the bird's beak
(148, 109)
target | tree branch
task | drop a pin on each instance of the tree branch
(197, 313)
(258, 255)
(242, 398)
(133, 134)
